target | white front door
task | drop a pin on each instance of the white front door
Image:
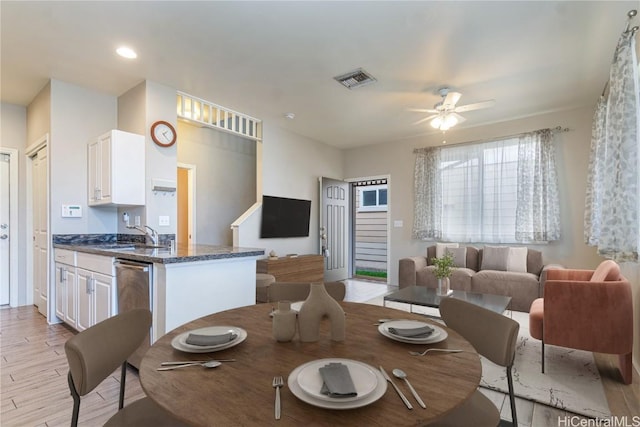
(5, 254)
(334, 228)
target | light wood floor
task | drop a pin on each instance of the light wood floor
(34, 391)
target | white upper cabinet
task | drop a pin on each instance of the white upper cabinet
(116, 170)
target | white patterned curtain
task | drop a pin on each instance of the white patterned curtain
(538, 203)
(611, 219)
(427, 190)
(502, 191)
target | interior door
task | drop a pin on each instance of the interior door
(186, 196)
(40, 231)
(334, 228)
(4, 228)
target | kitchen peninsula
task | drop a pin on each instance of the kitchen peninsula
(188, 283)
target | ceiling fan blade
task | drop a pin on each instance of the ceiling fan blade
(425, 119)
(422, 110)
(475, 106)
(451, 99)
(458, 117)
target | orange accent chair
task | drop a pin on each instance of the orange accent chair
(587, 310)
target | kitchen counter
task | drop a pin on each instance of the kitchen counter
(140, 252)
(193, 281)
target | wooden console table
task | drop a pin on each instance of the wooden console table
(302, 268)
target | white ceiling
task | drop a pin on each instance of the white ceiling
(269, 58)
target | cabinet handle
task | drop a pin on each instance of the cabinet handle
(62, 275)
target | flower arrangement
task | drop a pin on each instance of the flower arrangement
(443, 265)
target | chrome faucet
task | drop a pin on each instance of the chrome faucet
(148, 232)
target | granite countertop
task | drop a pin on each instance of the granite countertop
(161, 255)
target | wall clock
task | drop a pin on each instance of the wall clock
(163, 133)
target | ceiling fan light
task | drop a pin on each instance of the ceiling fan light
(437, 122)
(450, 121)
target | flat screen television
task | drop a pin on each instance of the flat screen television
(283, 217)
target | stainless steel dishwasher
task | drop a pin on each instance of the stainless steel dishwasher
(134, 291)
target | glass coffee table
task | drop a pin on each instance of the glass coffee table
(428, 297)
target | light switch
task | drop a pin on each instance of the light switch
(163, 220)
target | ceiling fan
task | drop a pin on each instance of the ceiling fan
(445, 113)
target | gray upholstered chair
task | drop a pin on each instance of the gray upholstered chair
(97, 352)
(290, 291)
(494, 336)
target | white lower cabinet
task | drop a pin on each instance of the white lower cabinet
(66, 293)
(95, 302)
(85, 288)
(65, 280)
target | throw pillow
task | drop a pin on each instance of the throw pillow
(607, 270)
(440, 247)
(517, 259)
(495, 258)
(459, 256)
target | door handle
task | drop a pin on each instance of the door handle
(4, 237)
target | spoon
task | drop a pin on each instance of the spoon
(210, 364)
(399, 373)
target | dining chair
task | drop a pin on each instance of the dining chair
(96, 353)
(493, 336)
(294, 291)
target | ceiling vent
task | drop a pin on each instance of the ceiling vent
(355, 79)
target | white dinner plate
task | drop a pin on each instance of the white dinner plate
(179, 342)
(378, 392)
(434, 335)
(363, 376)
(438, 334)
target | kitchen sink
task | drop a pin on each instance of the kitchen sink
(131, 246)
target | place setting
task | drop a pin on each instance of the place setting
(209, 339)
(337, 383)
(412, 331)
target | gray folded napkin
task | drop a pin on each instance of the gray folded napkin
(337, 381)
(421, 332)
(209, 340)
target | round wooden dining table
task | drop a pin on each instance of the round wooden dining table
(240, 393)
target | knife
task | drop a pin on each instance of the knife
(402, 396)
(184, 362)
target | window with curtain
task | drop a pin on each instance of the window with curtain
(612, 203)
(502, 191)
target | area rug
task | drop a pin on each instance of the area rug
(571, 380)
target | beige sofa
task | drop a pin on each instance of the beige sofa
(522, 287)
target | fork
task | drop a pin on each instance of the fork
(277, 383)
(444, 350)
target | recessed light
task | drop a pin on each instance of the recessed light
(290, 116)
(126, 52)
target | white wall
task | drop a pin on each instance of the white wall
(132, 112)
(77, 116)
(39, 115)
(161, 162)
(291, 166)
(225, 179)
(13, 134)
